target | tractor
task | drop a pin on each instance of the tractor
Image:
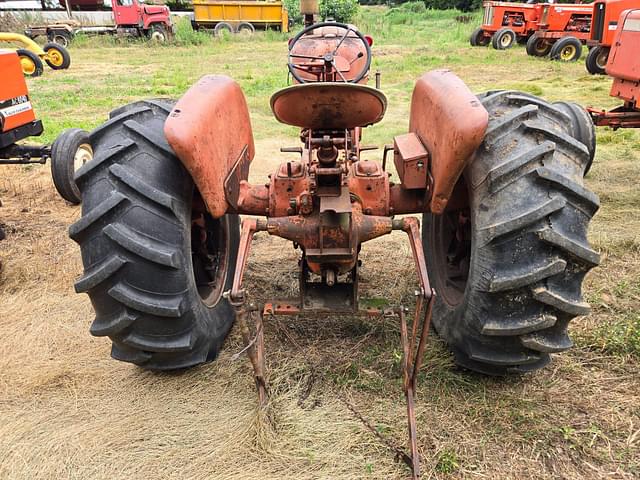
(505, 23)
(624, 66)
(603, 30)
(496, 178)
(562, 30)
(71, 149)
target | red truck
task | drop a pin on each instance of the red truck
(623, 65)
(562, 30)
(130, 17)
(606, 14)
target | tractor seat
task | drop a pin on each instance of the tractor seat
(329, 105)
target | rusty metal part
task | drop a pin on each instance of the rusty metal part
(209, 129)
(620, 117)
(451, 122)
(326, 105)
(329, 238)
(411, 160)
(254, 346)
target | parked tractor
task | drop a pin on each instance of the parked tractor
(603, 31)
(505, 23)
(71, 149)
(562, 30)
(32, 55)
(624, 66)
(130, 18)
(497, 179)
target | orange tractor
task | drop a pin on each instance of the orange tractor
(18, 122)
(562, 30)
(603, 31)
(497, 179)
(624, 66)
(505, 23)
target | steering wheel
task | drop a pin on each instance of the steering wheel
(327, 61)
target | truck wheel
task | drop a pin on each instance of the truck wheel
(246, 29)
(60, 37)
(503, 39)
(31, 64)
(158, 33)
(538, 47)
(58, 57)
(581, 128)
(155, 262)
(478, 38)
(508, 261)
(69, 152)
(596, 61)
(567, 49)
(222, 28)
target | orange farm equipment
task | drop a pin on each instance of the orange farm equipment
(606, 14)
(504, 23)
(562, 30)
(624, 66)
(18, 122)
(496, 178)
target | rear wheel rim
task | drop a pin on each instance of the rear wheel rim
(82, 156)
(540, 46)
(451, 238)
(601, 59)
(28, 66)
(61, 40)
(55, 57)
(209, 252)
(568, 53)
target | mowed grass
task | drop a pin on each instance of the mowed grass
(68, 411)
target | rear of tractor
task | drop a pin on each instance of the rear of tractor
(505, 23)
(562, 30)
(603, 31)
(32, 55)
(18, 122)
(497, 179)
(624, 66)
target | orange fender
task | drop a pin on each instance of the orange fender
(451, 123)
(209, 129)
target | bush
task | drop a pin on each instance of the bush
(340, 10)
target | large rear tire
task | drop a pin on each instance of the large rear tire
(503, 39)
(508, 263)
(538, 47)
(567, 49)
(155, 262)
(596, 60)
(478, 38)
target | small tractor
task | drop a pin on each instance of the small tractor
(497, 179)
(71, 149)
(624, 66)
(32, 55)
(505, 23)
(562, 30)
(603, 31)
(130, 18)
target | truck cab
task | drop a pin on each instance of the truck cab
(135, 13)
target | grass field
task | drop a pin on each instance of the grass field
(68, 411)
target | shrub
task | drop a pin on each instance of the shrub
(340, 10)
